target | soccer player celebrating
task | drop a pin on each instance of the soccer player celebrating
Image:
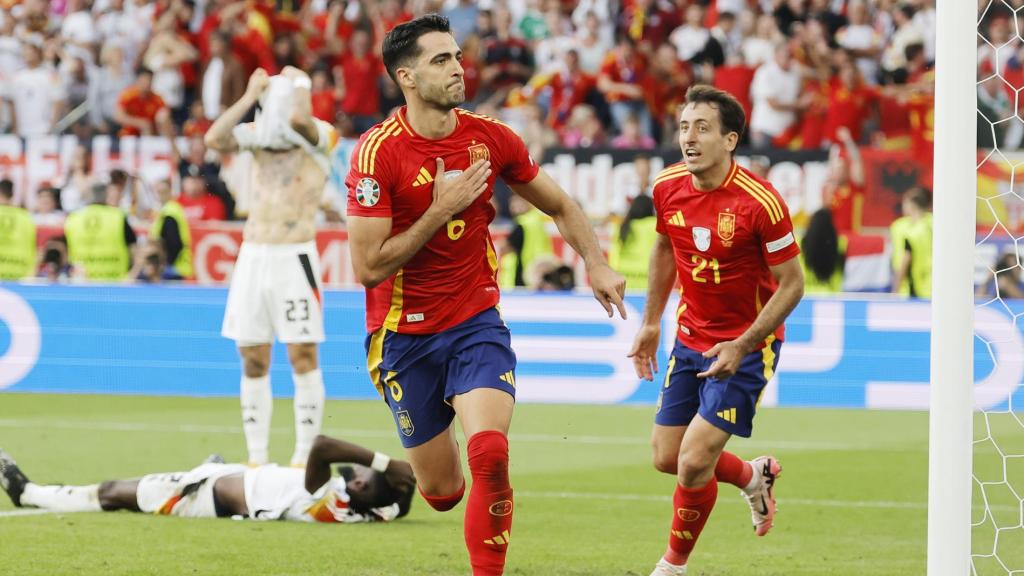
(275, 286)
(727, 236)
(419, 191)
(371, 488)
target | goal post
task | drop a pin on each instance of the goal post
(952, 337)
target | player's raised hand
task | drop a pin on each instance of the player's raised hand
(258, 82)
(399, 476)
(727, 355)
(455, 195)
(645, 351)
(609, 287)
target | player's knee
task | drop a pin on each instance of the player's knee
(254, 366)
(694, 469)
(667, 462)
(487, 453)
(302, 357)
(108, 495)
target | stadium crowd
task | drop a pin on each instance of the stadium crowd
(811, 74)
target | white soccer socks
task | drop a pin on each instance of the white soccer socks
(62, 498)
(309, 413)
(257, 409)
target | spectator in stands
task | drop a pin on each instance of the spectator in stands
(325, 96)
(197, 123)
(692, 38)
(78, 29)
(223, 79)
(563, 89)
(140, 111)
(463, 18)
(776, 98)
(907, 33)
(197, 201)
(35, 95)
(823, 255)
(665, 87)
(165, 56)
(54, 266)
(361, 69)
(106, 83)
(622, 80)
(48, 210)
(583, 130)
(507, 60)
(631, 138)
(17, 237)
(172, 234)
(149, 264)
(912, 246)
(195, 161)
(74, 77)
(286, 53)
(758, 48)
(646, 23)
(844, 189)
(850, 103)
(549, 50)
(591, 44)
(534, 133)
(99, 239)
(528, 241)
(1005, 279)
(559, 277)
(632, 243)
(78, 180)
(860, 38)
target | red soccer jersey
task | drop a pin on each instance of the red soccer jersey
(723, 242)
(453, 277)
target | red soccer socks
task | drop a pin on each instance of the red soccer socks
(691, 508)
(488, 522)
(445, 503)
(731, 470)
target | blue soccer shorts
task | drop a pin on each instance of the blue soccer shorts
(727, 403)
(418, 374)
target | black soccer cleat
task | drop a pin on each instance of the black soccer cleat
(12, 479)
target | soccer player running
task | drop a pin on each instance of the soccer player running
(275, 286)
(369, 488)
(727, 236)
(419, 191)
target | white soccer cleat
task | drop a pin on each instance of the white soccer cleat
(663, 568)
(761, 497)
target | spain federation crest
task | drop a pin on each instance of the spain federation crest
(367, 192)
(702, 238)
(726, 227)
(405, 422)
(478, 152)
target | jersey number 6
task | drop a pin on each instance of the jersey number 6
(456, 228)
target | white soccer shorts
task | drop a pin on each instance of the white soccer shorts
(187, 494)
(275, 290)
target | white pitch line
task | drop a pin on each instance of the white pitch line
(787, 445)
(591, 496)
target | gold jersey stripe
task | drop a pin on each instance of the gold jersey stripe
(765, 196)
(764, 204)
(484, 117)
(374, 358)
(670, 177)
(672, 171)
(364, 151)
(373, 153)
(395, 313)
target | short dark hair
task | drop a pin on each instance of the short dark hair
(7, 188)
(730, 111)
(401, 44)
(381, 494)
(920, 196)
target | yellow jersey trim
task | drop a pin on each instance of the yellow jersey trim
(762, 195)
(375, 357)
(395, 313)
(670, 173)
(364, 151)
(373, 153)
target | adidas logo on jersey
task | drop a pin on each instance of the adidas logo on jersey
(729, 415)
(423, 177)
(677, 219)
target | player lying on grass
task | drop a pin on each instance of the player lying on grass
(370, 487)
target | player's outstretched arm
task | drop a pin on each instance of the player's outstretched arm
(327, 451)
(543, 192)
(219, 136)
(790, 276)
(376, 255)
(661, 277)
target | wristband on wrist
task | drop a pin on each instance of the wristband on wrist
(302, 82)
(380, 462)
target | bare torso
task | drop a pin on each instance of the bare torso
(286, 191)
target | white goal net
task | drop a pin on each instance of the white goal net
(997, 511)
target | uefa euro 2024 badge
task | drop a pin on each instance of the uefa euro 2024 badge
(368, 192)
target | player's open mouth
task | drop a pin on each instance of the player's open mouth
(691, 154)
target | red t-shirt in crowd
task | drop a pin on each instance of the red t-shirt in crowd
(139, 105)
(362, 92)
(206, 207)
(454, 276)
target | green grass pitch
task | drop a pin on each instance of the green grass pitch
(588, 503)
